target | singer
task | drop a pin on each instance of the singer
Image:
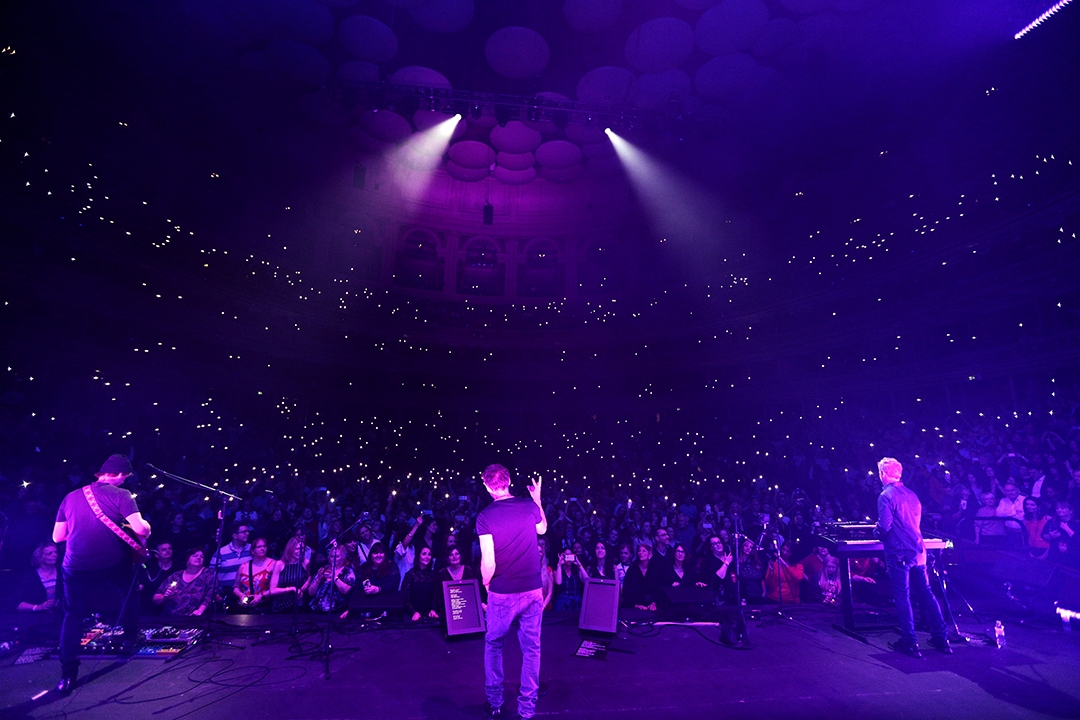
(510, 569)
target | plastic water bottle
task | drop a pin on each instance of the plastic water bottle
(999, 635)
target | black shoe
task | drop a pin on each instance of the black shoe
(65, 686)
(494, 712)
(941, 645)
(731, 641)
(909, 650)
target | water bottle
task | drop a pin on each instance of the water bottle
(999, 635)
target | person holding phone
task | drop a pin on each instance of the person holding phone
(187, 592)
(330, 586)
(570, 577)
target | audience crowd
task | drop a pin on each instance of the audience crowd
(1007, 481)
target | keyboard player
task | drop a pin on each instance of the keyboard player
(898, 527)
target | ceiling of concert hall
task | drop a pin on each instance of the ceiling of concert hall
(803, 171)
(755, 100)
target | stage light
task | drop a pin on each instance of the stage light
(411, 163)
(502, 114)
(1041, 19)
(678, 210)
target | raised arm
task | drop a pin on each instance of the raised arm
(534, 492)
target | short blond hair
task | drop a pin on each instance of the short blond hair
(889, 469)
(496, 477)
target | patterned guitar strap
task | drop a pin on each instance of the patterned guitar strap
(138, 549)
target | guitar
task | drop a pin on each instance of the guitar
(136, 543)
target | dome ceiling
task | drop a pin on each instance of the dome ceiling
(748, 76)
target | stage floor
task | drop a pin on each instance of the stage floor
(790, 671)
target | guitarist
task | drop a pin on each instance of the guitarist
(98, 567)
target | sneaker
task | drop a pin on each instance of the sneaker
(941, 645)
(909, 650)
(493, 711)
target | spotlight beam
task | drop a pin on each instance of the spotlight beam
(680, 211)
(412, 162)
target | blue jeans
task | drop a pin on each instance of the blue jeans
(906, 578)
(502, 609)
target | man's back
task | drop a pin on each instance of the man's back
(512, 525)
(90, 544)
(900, 514)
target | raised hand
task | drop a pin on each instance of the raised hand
(534, 490)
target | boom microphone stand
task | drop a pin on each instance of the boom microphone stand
(326, 649)
(781, 580)
(741, 628)
(208, 631)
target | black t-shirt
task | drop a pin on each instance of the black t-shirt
(90, 544)
(511, 523)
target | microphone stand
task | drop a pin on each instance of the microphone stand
(208, 631)
(781, 580)
(297, 597)
(326, 649)
(741, 628)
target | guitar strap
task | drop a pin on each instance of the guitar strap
(135, 546)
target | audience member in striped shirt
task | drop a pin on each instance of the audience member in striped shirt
(229, 558)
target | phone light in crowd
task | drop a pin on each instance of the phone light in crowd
(1042, 18)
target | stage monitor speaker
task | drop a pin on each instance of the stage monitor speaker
(464, 615)
(600, 606)
(389, 602)
(689, 595)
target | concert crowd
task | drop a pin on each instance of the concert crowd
(1008, 481)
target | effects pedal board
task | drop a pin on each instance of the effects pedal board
(168, 641)
(164, 641)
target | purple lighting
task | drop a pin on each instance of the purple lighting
(1041, 19)
(413, 162)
